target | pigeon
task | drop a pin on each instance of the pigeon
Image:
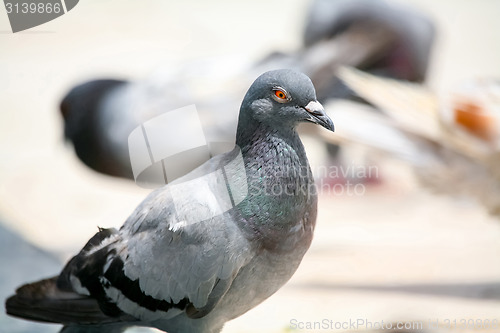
(207, 247)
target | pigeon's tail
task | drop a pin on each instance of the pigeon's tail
(43, 301)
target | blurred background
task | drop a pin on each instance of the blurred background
(400, 250)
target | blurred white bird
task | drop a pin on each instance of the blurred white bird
(453, 146)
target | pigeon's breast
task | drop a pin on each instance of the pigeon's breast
(281, 204)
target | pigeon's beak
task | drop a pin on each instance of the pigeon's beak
(318, 116)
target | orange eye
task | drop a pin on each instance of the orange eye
(280, 94)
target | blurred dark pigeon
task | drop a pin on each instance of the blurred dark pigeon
(207, 247)
(381, 37)
(99, 115)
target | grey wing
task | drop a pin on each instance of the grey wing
(168, 272)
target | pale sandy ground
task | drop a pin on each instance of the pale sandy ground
(394, 253)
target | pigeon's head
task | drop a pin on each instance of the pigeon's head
(283, 98)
